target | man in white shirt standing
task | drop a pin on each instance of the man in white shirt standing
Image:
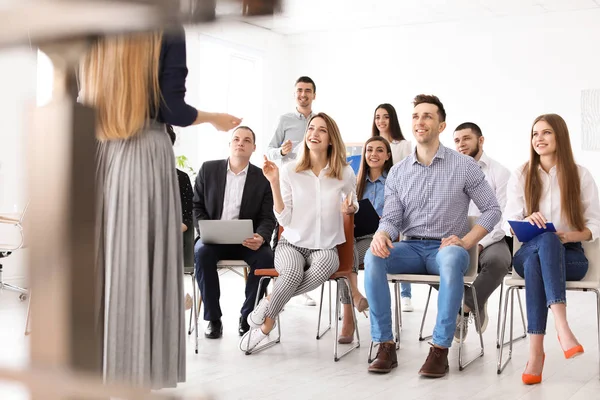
(289, 135)
(494, 255)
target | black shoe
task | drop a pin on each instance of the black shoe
(214, 330)
(243, 327)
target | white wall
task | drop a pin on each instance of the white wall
(201, 143)
(500, 73)
(17, 93)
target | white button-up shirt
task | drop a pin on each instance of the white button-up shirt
(516, 208)
(234, 188)
(312, 215)
(497, 176)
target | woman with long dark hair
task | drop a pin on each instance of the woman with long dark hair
(386, 125)
(376, 162)
(551, 187)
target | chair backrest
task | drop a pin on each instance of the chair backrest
(346, 249)
(592, 253)
(473, 252)
(188, 251)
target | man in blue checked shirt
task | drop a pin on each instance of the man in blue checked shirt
(427, 198)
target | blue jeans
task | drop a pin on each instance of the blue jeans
(406, 290)
(546, 264)
(417, 257)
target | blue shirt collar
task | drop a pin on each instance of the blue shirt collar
(381, 178)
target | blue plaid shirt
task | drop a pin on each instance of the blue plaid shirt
(433, 201)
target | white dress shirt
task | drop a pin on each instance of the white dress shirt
(400, 150)
(312, 215)
(516, 208)
(234, 188)
(497, 176)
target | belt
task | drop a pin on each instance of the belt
(420, 238)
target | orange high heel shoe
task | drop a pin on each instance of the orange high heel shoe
(530, 379)
(573, 351)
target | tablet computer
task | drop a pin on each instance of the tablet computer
(215, 231)
(366, 220)
(524, 231)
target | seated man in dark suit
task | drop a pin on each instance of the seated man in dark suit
(225, 190)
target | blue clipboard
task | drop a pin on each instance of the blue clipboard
(525, 231)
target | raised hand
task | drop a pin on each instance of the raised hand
(225, 122)
(270, 171)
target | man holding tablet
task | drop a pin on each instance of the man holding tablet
(232, 189)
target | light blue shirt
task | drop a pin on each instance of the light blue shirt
(375, 192)
(291, 126)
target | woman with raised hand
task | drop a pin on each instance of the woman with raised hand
(551, 187)
(310, 198)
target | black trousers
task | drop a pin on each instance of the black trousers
(206, 258)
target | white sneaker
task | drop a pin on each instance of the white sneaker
(407, 305)
(257, 316)
(253, 338)
(484, 318)
(306, 300)
(465, 323)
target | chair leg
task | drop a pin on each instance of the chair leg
(499, 316)
(421, 338)
(197, 300)
(27, 331)
(524, 335)
(509, 292)
(319, 334)
(370, 356)
(598, 322)
(462, 366)
(271, 343)
(398, 316)
(193, 304)
(355, 345)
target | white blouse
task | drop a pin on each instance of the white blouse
(550, 200)
(400, 150)
(312, 215)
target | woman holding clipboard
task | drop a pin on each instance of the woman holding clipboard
(551, 187)
(375, 164)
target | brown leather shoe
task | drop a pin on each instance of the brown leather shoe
(385, 360)
(436, 365)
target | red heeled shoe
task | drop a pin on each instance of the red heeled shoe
(530, 379)
(573, 351)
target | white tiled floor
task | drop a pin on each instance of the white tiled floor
(301, 367)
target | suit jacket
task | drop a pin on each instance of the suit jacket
(257, 198)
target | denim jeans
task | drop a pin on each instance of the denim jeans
(406, 290)
(546, 264)
(416, 257)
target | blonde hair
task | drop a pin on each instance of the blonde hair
(119, 77)
(336, 153)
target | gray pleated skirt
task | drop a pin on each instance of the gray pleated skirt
(139, 261)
